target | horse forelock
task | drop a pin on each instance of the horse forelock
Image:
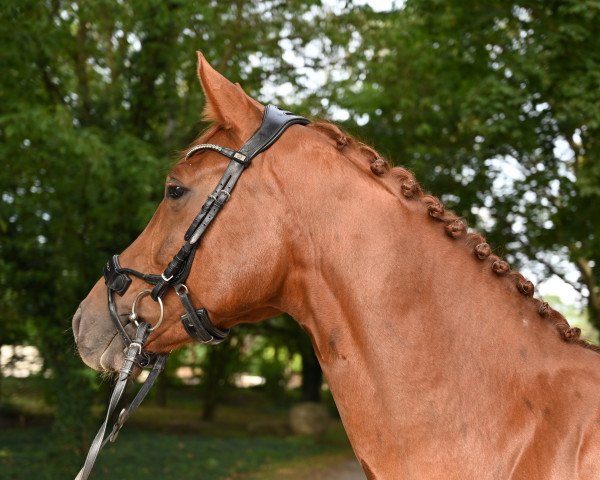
(455, 226)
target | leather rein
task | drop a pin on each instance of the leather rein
(196, 322)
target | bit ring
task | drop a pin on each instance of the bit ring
(141, 294)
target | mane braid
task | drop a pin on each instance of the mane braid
(454, 226)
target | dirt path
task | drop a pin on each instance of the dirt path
(342, 468)
(347, 470)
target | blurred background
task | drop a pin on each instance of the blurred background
(494, 105)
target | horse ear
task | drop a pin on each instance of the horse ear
(227, 103)
(256, 103)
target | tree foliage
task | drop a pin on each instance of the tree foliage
(96, 97)
(497, 106)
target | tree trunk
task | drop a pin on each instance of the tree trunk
(161, 390)
(211, 384)
(216, 370)
(1, 378)
(312, 377)
(587, 276)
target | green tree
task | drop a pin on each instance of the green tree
(96, 97)
(497, 105)
(284, 334)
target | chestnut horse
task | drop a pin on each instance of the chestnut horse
(441, 363)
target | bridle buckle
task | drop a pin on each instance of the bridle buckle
(218, 199)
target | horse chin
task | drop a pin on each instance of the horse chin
(112, 357)
(108, 358)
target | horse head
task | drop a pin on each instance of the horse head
(238, 269)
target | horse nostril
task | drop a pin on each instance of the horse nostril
(76, 322)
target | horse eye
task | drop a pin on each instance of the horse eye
(175, 191)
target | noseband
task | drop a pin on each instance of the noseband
(196, 322)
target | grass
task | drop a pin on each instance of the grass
(173, 443)
(299, 468)
(139, 454)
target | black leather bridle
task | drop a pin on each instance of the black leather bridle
(195, 321)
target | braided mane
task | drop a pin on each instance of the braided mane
(454, 226)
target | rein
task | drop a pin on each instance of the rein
(196, 322)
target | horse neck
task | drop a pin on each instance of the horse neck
(405, 321)
(376, 266)
(381, 278)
